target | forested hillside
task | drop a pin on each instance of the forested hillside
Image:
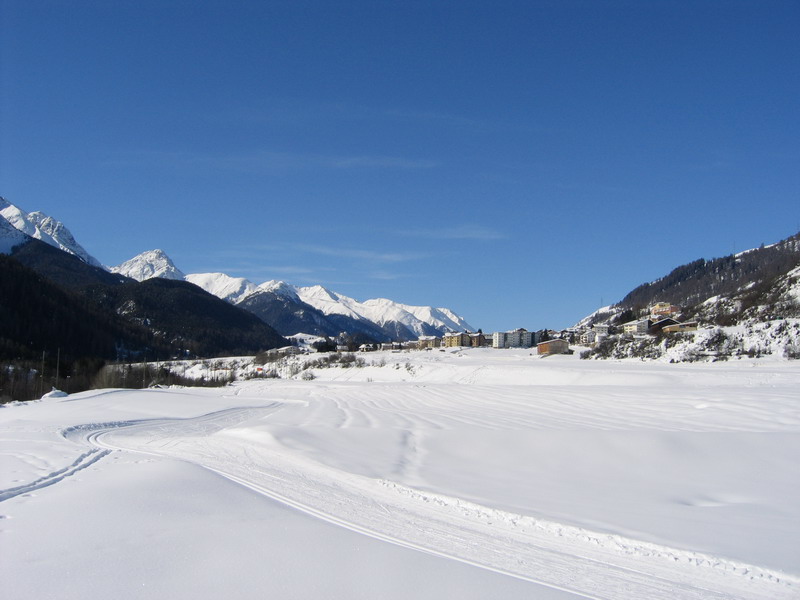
(696, 281)
(63, 316)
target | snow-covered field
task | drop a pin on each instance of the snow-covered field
(475, 474)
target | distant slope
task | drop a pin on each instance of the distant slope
(179, 315)
(63, 269)
(764, 300)
(37, 315)
(759, 283)
(397, 321)
(188, 318)
(290, 316)
(10, 236)
(230, 289)
(320, 311)
(696, 281)
(291, 310)
(314, 309)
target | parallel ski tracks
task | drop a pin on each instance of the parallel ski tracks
(87, 459)
(590, 564)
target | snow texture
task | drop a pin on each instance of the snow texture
(471, 473)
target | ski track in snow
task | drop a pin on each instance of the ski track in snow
(87, 459)
(588, 563)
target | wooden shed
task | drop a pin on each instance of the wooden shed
(558, 346)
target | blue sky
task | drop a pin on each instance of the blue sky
(518, 162)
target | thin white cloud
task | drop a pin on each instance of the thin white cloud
(389, 162)
(591, 187)
(387, 276)
(282, 270)
(360, 254)
(285, 112)
(458, 232)
(270, 161)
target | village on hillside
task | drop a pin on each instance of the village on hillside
(660, 318)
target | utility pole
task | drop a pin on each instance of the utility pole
(41, 378)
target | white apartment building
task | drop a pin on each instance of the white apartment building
(519, 338)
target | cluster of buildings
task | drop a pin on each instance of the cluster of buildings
(517, 338)
(661, 317)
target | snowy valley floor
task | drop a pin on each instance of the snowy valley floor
(475, 474)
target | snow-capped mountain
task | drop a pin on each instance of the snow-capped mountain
(311, 310)
(280, 288)
(377, 317)
(232, 289)
(47, 229)
(149, 264)
(421, 320)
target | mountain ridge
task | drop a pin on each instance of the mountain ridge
(155, 317)
(379, 318)
(322, 311)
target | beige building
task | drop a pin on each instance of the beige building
(454, 340)
(639, 327)
(428, 341)
(477, 340)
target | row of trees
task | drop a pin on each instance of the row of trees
(28, 379)
(22, 380)
(142, 375)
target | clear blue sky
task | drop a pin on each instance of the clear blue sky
(518, 162)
